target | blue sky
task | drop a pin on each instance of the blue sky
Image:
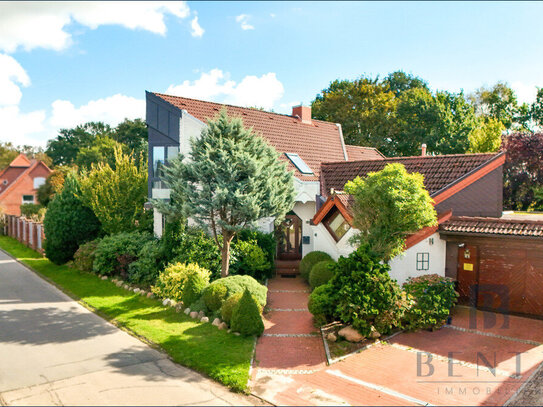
(66, 63)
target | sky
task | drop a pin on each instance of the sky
(66, 63)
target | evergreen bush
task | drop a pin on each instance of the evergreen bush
(181, 282)
(215, 296)
(249, 259)
(322, 303)
(310, 260)
(84, 256)
(228, 307)
(321, 273)
(246, 318)
(150, 261)
(68, 223)
(238, 284)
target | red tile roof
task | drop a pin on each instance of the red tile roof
(315, 143)
(439, 171)
(492, 227)
(358, 153)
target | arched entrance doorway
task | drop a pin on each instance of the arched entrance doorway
(290, 238)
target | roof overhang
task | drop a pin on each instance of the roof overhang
(428, 231)
(332, 202)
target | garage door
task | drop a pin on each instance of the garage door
(511, 279)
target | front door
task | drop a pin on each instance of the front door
(468, 263)
(290, 238)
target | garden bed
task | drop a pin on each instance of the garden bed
(199, 346)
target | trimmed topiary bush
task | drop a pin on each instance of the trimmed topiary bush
(246, 317)
(322, 304)
(228, 307)
(433, 297)
(84, 256)
(214, 296)
(115, 253)
(181, 282)
(321, 273)
(365, 294)
(68, 223)
(238, 284)
(310, 260)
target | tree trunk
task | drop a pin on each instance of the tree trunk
(225, 253)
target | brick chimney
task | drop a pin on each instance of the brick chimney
(423, 150)
(303, 112)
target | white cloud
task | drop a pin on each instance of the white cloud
(111, 110)
(263, 91)
(22, 128)
(42, 24)
(197, 30)
(243, 19)
(525, 93)
(12, 75)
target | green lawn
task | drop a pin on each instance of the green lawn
(202, 347)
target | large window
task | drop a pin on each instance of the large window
(159, 157)
(423, 261)
(336, 225)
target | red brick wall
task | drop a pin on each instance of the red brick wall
(13, 199)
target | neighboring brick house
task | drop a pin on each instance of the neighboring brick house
(19, 182)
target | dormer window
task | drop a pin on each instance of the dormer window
(336, 224)
(299, 163)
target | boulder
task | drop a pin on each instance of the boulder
(150, 295)
(173, 303)
(187, 311)
(236, 333)
(118, 283)
(126, 286)
(204, 319)
(104, 277)
(351, 334)
(222, 325)
(137, 290)
(193, 314)
(331, 337)
(216, 322)
(374, 334)
(166, 302)
(201, 314)
(179, 307)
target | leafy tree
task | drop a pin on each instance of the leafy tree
(233, 179)
(133, 134)
(53, 185)
(388, 206)
(364, 107)
(102, 150)
(8, 152)
(523, 169)
(116, 196)
(64, 148)
(68, 223)
(487, 136)
(536, 110)
(498, 102)
(398, 82)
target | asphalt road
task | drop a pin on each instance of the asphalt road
(53, 351)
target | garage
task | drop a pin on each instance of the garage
(497, 263)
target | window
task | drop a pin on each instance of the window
(423, 261)
(173, 151)
(28, 199)
(299, 163)
(38, 182)
(158, 160)
(336, 225)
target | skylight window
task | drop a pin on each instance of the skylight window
(299, 163)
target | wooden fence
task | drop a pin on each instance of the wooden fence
(25, 231)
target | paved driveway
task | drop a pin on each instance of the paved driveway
(481, 359)
(54, 351)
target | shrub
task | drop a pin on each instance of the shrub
(84, 256)
(215, 296)
(322, 304)
(68, 223)
(246, 317)
(321, 273)
(115, 253)
(365, 294)
(266, 241)
(199, 305)
(238, 284)
(433, 297)
(181, 282)
(228, 307)
(146, 268)
(32, 211)
(249, 259)
(310, 260)
(196, 246)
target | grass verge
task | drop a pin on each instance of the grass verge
(202, 347)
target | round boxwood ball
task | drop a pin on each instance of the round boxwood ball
(321, 273)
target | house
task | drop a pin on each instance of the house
(19, 182)
(472, 243)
